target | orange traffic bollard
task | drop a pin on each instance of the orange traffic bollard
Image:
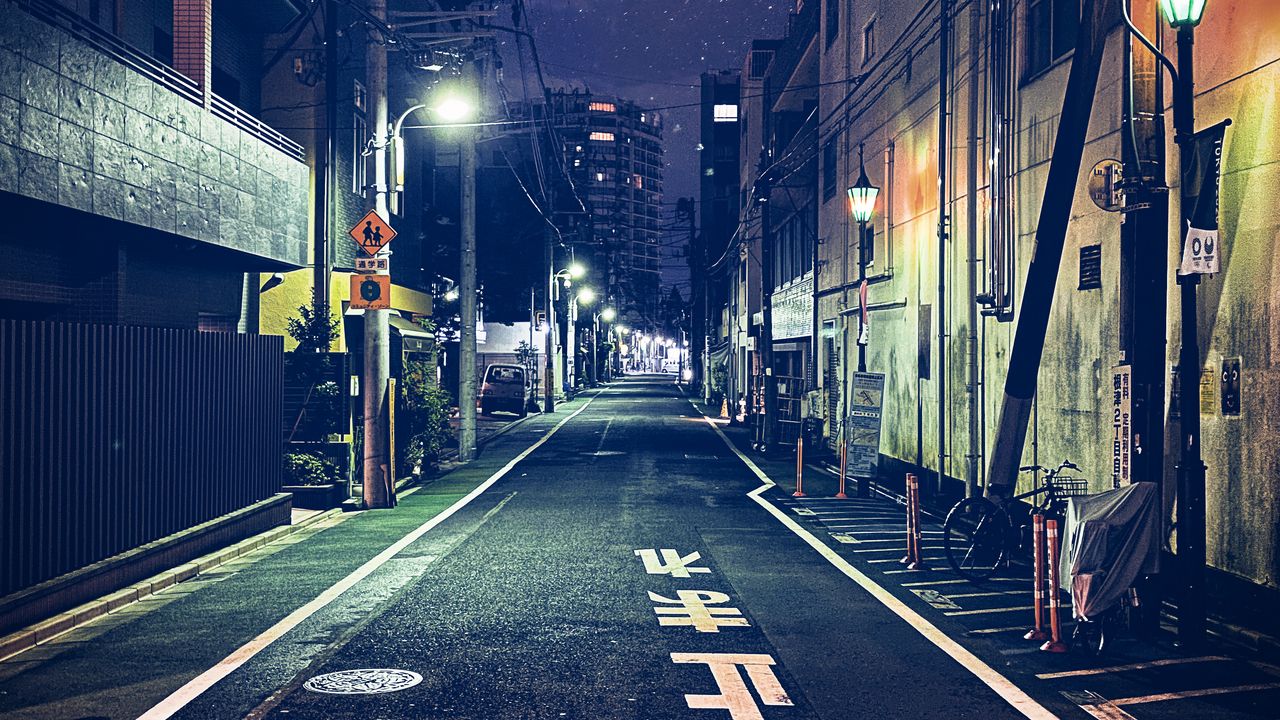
(1054, 644)
(910, 556)
(1037, 532)
(799, 468)
(913, 559)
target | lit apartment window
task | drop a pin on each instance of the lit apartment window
(577, 162)
(725, 113)
(602, 107)
(639, 181)
(599, 177)
(601, 136)
(868, 41)
(642, 117)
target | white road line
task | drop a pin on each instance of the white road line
(993, 631)
(871, 550)
(989, 594)
(988, 611)
(181, 697)
(1126, 668)
(1202, 692)
(882, 560)
(1003, 687)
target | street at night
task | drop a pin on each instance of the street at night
(738, 360)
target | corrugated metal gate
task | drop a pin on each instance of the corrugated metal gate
(112, 437)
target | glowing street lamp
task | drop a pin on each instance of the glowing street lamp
(862, 205)
(1183, 13)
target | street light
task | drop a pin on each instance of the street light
(862, 204)
(1184, 15)
(607, 315)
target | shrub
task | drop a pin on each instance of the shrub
(308, 469)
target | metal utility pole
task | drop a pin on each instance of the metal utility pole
(769, 435)
(549, 382)
(378, 485)
(1191, 468)
(321, 265)
(944, 152)
(1051, 232)
(467, 281)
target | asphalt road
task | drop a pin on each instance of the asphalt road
(532, 602)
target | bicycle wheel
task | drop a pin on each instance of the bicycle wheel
(975, 537)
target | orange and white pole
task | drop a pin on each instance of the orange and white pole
(1037, 535)
(917, 562)
(799, 468)
(911, 557)
(1054, 644)
(844, 464)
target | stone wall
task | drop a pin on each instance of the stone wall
(81, 130)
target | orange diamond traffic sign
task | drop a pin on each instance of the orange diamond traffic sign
(372, 233)
(370, 292)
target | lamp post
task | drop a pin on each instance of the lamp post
(584, 296)
(862, 204)
(567, 276)
(1184, 15)
(608, 315)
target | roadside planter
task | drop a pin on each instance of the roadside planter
(314, 477)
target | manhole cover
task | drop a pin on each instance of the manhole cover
(363, 682)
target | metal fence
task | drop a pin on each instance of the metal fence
(112, 437)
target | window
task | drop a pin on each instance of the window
(868, 41)
(359, 97)
(1051, 32)
(602, 136)
(599, 177)
(724, 113)
(602, 107)
(829, 168)
(833, 21)
(359, 165)
(760, 60)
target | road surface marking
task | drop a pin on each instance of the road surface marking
(1127, 668)
(845, 538)
(890, 560)
(989, 611)
(936, 599)
(988, 594)
(1003, 687)
(871, 550)
(1096, 705)
(671, 564)
(181, 697)
(690, 608)
(923, 583)
(734, 695)
(1202, 692)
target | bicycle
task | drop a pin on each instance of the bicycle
(978, 535)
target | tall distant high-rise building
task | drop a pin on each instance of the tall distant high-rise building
(613, 151)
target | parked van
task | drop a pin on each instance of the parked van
(506, 387)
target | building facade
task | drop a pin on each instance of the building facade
(954, 231)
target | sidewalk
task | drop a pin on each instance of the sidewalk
(1133, 679)
(124, 661)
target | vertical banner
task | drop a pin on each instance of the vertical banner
(865, 410)
(1121, 426)
(1202, 249)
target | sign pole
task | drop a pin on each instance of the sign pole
(377, 333)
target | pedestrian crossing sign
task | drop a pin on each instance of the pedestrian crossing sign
(372, 233)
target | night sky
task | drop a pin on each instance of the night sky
(652, 52)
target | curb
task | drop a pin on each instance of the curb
(68, 620)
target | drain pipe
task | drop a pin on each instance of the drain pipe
(944, 52)
(974, 456)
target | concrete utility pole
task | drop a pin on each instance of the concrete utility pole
(549, 381)
(378, 484)
(467, 281)
(321, 264)
(769, 434)
(1051, 233)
